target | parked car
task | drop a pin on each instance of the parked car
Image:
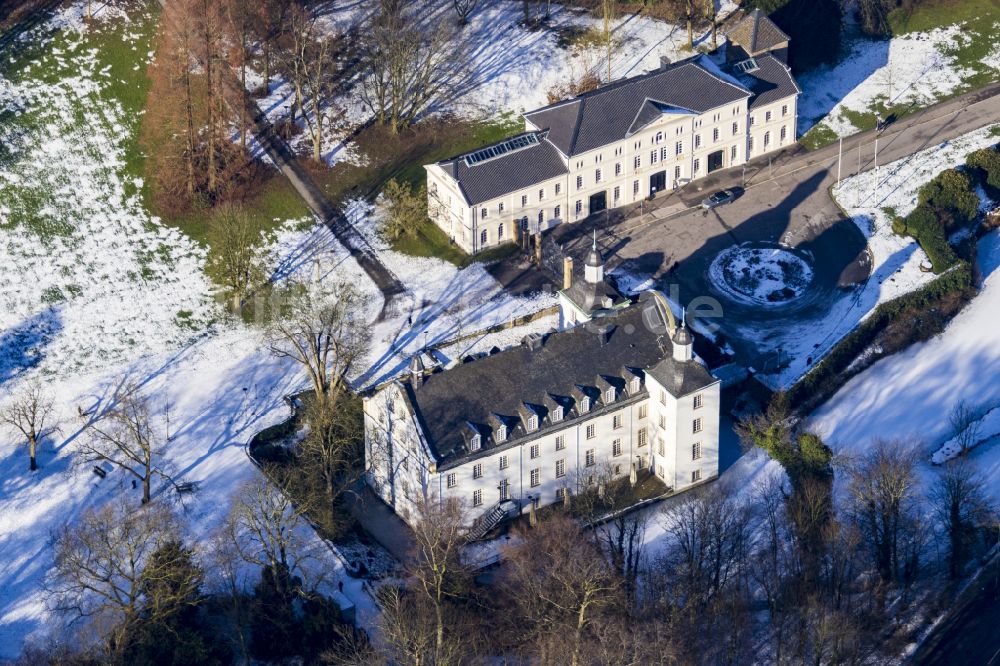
(718, 199)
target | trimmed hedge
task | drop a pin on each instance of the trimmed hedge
(949, 195)
(832, 372)
(925, 227)
(986, 161)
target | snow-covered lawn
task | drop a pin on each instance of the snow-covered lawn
(909, 71)
(762, 276)
(896, 260)
(510, 68)
(910, 395)
(93, 289)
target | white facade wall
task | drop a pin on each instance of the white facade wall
(388, 474)
(712, 131)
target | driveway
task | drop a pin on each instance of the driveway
(786, 201)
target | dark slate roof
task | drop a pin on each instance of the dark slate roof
(681, 378)
(756, 33)
(508, 173)
(771, 82)
(611, 112)
(591, 296)
(569, 365)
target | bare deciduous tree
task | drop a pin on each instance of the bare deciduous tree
(236, 258)
(322, 330)
(333, 444)
(608, 10)
(961, 504)
(403, 211)
(270, 531)
(559, 580)
(439, 535)
(410, 61)
(125, 436)
(965, 425)
(28, 413)
(102, 573)
(884, 491)
(464, 9)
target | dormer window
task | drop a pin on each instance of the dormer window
(584, 405)
(501, 434)
(557, 414)
(476, 443)
(532, 422)
(636, 385)
(609, 395)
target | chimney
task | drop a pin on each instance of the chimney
(567, 272)
(664, 62)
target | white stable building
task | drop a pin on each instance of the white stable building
(625, 141)
(619, 393)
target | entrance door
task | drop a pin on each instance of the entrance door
(657, 183)
(714, 161)
(598, 202)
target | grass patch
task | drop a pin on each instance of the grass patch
(818, 136)
(930, 14)
(430, 241)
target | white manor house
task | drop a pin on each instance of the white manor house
(622, 142)
(616, 394)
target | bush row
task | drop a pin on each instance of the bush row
(942, 296)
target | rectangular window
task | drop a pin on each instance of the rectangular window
(579, 182)
(503, 462)
(597, 175)
(752, 123)
(784, 133)
(477, 471)
(663, 154)
(560, 442)
(534, 451)
(541, 194)
(616, 447)
(618, 168)
(504, 490)
(767, 139)
(679, 148)
(663, 397)
(524, 200)
(477, 498)
(696, 451)
(451, 480)
(698, 401)
(767, 117)
(659, 471)
(736, 129)
(643, 410)
(560, 494)
(697, 166)
(558, 188)
(696, 425)
(556, 211)
(536, 475)
(616, 421)
(591, 457)
(637, 162)
(500, 207)
(697, 140)
(696, 476)
(677, 172)
(784, 109)
(732, 154)
(635, 187)
(641, 439)
(751, 144)
(618, 470)
(560, 469)
(590, 431)
(663, 421)
(652, 157)
(618, 193)
(715, 134)
(579, 207)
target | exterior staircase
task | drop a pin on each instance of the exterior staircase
(492, 517)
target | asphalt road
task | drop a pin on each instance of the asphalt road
(787, 201)
(970, 634)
